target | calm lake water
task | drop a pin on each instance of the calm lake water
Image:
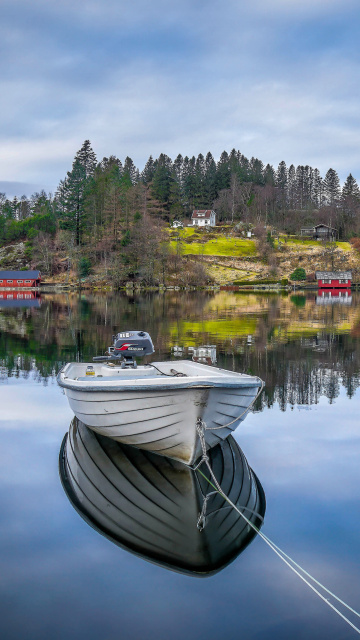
(60, 578)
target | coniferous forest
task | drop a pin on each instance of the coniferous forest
(113, 214)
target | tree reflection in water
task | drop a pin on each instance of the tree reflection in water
(303, 350)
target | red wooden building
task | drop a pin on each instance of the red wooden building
(20, 279)
(333, 279)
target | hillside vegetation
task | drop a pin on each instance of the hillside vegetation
(110, 224)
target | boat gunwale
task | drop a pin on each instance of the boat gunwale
(179, 384)
(225, 379)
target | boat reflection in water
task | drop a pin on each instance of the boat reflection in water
(150, 504)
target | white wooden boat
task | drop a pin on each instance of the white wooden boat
(150, 504)
(157, 406)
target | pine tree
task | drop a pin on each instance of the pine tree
(244, 170)
(189, 181)
(350, 188)
(281, 177)
(130, 169)
(87, 158)
(281, 187)
(161, 182)
(148, 172)
(210, 192)
(269, 175)
(223, 173)
(308, 185)
(199, 183)
(291, 187)
(300, 186)
(332, 187)
(257, 171)
(318, 189)
(350, 206)
(178, 169)
(72, 198)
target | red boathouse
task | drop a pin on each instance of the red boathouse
(333, 279)
(20, 279)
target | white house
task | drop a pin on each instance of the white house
(177, 224)
(203, 218)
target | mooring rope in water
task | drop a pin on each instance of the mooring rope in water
(201, 427)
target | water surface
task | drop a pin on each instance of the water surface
(61, 578)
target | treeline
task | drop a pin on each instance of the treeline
(110, 212)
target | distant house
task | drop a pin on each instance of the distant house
(177, 224)
(320, 231)
(203, 218)
(20, 279)
(333, 279)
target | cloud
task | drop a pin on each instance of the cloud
(276, 80)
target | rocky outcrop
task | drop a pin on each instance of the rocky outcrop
(13, 256)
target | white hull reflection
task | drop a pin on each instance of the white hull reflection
(154, 409)
(150, 504)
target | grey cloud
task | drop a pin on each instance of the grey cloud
(142, 79)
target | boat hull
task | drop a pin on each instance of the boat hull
(164, 421)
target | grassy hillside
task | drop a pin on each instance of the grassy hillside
(229, 258)
(195, 242)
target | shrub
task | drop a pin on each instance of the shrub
(298, 274)
(84, 267)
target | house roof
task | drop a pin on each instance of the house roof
(202, 213)
(23, 275)
(317, 226)
(324, 225)
(333, 275)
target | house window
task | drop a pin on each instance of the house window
(1, 281)
(20, 281)
(9, 281)
(343, 281)
(326, 281)
(27, 281)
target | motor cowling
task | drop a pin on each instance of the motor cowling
(132, 344)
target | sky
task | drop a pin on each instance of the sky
(277, 79)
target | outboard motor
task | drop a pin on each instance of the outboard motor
(128, 345)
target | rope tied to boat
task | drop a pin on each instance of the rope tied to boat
(304, 575)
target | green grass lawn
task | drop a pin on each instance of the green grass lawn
(310, 243)
(220, 246)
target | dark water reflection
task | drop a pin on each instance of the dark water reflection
(150, 504)
(60, 579)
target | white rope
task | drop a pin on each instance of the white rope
(200, 427)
